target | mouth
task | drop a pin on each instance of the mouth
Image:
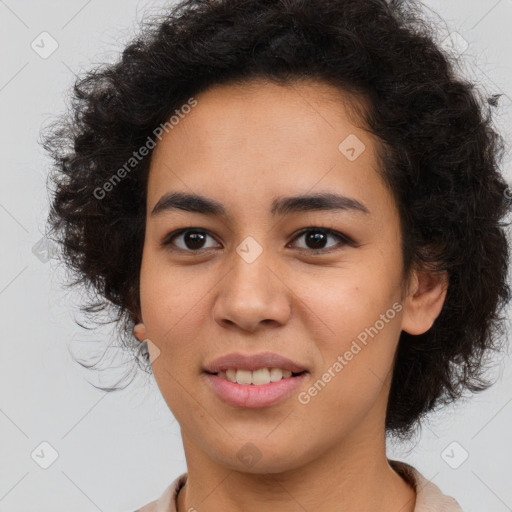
(264, 387)
(254, 380)
(258, 377)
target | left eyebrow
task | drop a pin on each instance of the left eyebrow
(281, 206)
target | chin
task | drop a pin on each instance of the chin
(261, 458)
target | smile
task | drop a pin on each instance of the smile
(253, 395)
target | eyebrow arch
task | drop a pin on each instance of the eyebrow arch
(281, 206)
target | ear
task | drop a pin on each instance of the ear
(140, 331)
(425, 299)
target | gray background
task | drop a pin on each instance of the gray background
(119, 451)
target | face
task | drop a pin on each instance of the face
(318, 282)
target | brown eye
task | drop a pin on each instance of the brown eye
(315, 239)
(191, 240)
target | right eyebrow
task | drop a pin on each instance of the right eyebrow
(325, 201)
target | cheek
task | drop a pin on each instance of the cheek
(355, 373)
(356, 318)
(171, 305)
(170, 298)
(167, 309)
(346, 301)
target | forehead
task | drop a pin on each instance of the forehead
(260, 140)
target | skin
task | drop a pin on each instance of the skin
(245, 146)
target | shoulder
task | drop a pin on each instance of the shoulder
(429, 497)
(167, 500)
(150, 507)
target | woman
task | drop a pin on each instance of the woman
(295, 207)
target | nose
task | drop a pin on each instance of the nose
(253, 295)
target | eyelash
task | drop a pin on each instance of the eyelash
(345, 240)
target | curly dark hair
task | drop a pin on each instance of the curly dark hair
(438, 150)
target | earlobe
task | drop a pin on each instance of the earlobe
(424, 302)
(139, 331)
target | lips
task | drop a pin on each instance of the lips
(251, 396)
(252, 362)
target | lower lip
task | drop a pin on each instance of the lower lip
(251, 396)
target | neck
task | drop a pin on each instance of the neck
(357, 476)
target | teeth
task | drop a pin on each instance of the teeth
(261, 376)
(257, 377)
(243, 377)
(276, 374)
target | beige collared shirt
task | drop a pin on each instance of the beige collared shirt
(429, 497)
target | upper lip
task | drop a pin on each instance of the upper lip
(252, 362)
